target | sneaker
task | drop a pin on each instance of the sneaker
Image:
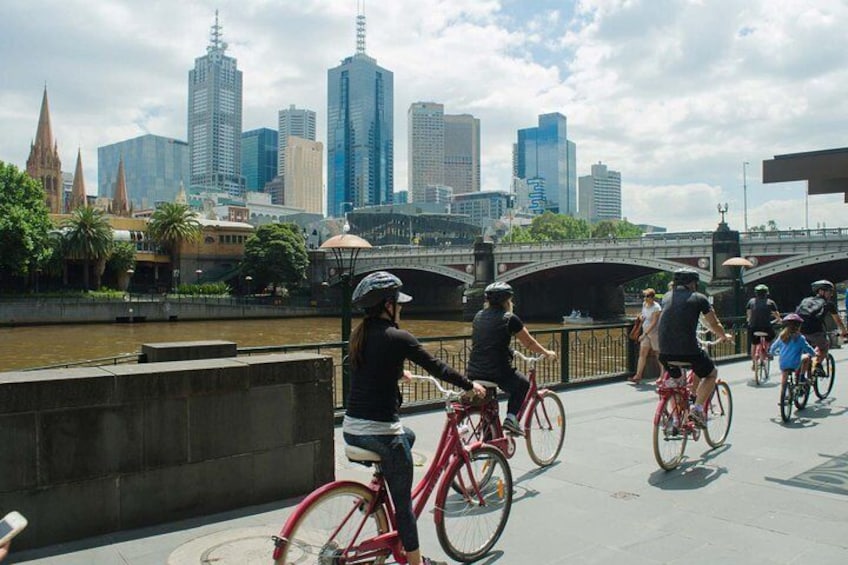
(698, 417)
(428, 561)
(511, 425)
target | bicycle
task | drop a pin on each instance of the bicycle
(672, 426)
(762, 359)
(793, 391)
(348, 522)
(822, 373)
(542, 415)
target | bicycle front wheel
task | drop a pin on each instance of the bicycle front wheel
(669, 436)
(544, 429)
(328, 528)
(469, 520)
(823, 383)
(802, 393)
(719, 413)
(787, 392)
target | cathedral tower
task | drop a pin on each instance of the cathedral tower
(43, 163)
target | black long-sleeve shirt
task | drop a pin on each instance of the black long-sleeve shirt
(374, 393)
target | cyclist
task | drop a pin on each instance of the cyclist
(813, 309)
(378, 350)
(678, 329)
(761, 311)
(649, 340)
(791, 346)
(491, 356)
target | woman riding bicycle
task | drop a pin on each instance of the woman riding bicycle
(791, 346)
(378, 350)
(491, 355)
(761, 312)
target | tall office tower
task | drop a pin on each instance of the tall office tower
(360, 126)
(303, 179)
(462, 153)
(44, 164)
(426, 147)
(600, 194)
(214, 120)
(154, 167)
(545, 154)
(258, 158)
(295, 122)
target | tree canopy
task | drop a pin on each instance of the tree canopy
(88, 237)
(24, 223)
(560, 227)
(276, 254)
(170, 225)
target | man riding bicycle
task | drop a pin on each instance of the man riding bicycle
(813, 310)
(678, 332)
(761, 312)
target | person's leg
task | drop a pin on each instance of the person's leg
(644, 349)
(516, 386)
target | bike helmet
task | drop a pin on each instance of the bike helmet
(378, 287)
(498, 292)
(792, 318)
(761, 289)
(822, 284)
(685, 276)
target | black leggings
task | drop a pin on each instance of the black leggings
(516, 385)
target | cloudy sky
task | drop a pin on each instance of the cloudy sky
(674, 94)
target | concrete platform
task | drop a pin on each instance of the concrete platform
(775, 493)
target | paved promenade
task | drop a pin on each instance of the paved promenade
(773, 494)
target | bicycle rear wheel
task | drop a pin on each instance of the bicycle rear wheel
(787, 392)
(669, 436)
(719, 413)
(823, 383)
(544, 429)
(763, 367)
(470, 521)
(326, 528)
(802, 393)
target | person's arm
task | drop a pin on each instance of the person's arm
(416, 353)
(530, 343)
(806, 347)
(715, 326)
(775, 346)
(839, 323)
(4, 551)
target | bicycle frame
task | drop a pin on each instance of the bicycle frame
(681, 396)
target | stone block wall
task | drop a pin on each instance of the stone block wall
(94, 450)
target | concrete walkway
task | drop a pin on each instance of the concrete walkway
(773, 494)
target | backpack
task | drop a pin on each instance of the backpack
(811, 307)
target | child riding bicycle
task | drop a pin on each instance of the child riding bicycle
(794, 349)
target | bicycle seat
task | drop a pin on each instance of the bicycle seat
(487, 384)
(761, 334)
(359, 455)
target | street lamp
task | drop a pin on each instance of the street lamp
(738, 283)
(345, 248)
(130, 273)
(745, 193)
(198, 272)
(248, 279)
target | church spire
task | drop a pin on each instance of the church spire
(181, 195)
(78, 198)
(120, 201)
(44, 134)
(43, 163)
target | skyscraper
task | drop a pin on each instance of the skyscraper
(545, 155)
(426, 147)
(360, 126)
(214, 119)
(303, 179)
(462, 153)
(258, 158)
(600, 194)
(295, 122)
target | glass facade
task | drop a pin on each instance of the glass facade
(258, 158)
(413, 229)
(545, 152)
(154, 166)
(360, 138)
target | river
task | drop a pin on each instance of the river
(34, 346)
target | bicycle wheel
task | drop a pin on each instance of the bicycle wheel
(719, 412)
(544, 429)
(787, 392)
(763, 366)
(479, 424)
(326, 526)
(802, 393)
(669, 437)
(823, 383)
(469, 522)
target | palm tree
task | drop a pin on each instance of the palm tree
(88, 237)
(171, 225)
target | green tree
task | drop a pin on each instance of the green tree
(121, 260)
(558, 227)
(172, 224)
(276, 254)
(615, 228)
(88, 238)
(24, 223)
(519, 234)
(771, 225)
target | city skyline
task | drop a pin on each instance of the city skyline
(676, 97)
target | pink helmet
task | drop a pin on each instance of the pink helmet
(792, 317)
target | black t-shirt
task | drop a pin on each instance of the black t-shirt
(761, 313)
(679, 321)
(813, 310)
(374, 394)
(491, 334)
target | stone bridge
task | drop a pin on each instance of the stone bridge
(553, 278)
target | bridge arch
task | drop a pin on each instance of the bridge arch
(791, 263)
(447, 272)
(654, 263)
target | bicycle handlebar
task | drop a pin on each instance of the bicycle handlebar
(527, 358)
(446, 392)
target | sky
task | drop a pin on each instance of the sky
(675, 94)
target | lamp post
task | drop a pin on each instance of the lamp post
(745, 194)
(130, 273)
(197, 273)
(345, 248)
(248, 279)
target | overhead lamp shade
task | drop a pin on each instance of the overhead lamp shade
(345, 241)
(737, 262)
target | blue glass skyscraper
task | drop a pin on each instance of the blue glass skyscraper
(544, 154)
(258, 158)
(360, 126)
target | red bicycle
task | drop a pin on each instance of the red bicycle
(347, 522)
(542, 415)
(761, 358)
(672, 426)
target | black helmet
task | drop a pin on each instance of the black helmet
(377, 287)
(822, 284)
(685, 276)
(498, 292)
(761, 289)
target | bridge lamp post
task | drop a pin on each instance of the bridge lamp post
(739, 263)
(248, 279)
(345, 248)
